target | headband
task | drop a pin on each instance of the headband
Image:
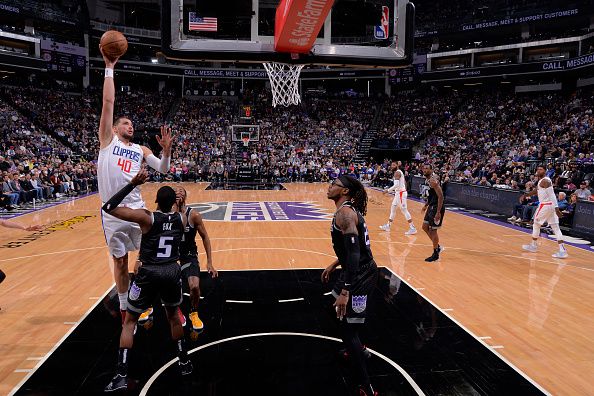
(346, 182)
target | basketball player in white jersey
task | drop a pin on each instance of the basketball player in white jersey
(119, 161)
(547, 212)
(399, 201)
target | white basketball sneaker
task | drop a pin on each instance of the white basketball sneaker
(561, 254)
(530, 248)
(385, 227)
(411, 231)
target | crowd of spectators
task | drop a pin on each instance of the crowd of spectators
(49, 139)
(35, 166)
(310, 142)
(494, 139)
(412, 116)
(486, 138)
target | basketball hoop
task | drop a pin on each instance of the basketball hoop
(284, 82)
(245, 140)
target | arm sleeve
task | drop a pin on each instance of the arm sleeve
(395, 186)
(353, 253)
(159, 164)
(118, 198)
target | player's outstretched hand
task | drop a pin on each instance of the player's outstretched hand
(140, 177)
(165, 139)
(212, 271)
(340, 304)
(179, 198)
(110, 63)
(326, 274)
(437, 218)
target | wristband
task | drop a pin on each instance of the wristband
(108, 72)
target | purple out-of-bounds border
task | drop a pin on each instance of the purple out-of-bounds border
(50, 205)
(497, 222)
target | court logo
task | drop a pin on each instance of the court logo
(262, 211)
(58, 226)
(359, 303)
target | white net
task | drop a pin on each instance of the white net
(284, 81)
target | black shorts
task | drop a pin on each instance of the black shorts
(361, 290)
(190, 266)
(430, 217)
(154, 280)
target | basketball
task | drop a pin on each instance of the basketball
(114, 44)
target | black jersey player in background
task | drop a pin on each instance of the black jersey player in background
(434, 210)
(188, 257)
(350, 241)
(159, 274)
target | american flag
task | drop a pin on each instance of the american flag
(201, 24)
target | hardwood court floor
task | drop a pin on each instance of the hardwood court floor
(534, 311)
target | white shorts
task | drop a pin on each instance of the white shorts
(400, 199)
(121, 236)
(545, 213)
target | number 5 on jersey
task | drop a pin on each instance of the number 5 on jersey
(126, 165)
(164, 247)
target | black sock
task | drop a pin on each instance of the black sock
(123, 361)
(2, 276)
(182, 351)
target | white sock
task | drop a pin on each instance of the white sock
(123, 297)
(561, 247)
(533, 243)
(412, 226)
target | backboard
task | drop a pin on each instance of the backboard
(374, 33)
(239, 132)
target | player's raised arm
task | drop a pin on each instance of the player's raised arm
(165, 141)
(106, 121)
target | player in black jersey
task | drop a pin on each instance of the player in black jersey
(188, 257)
(159, 274)
(434, 210)
(350, 241)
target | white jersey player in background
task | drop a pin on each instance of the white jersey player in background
(547, 212)
(119, 161)
(399, 201)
